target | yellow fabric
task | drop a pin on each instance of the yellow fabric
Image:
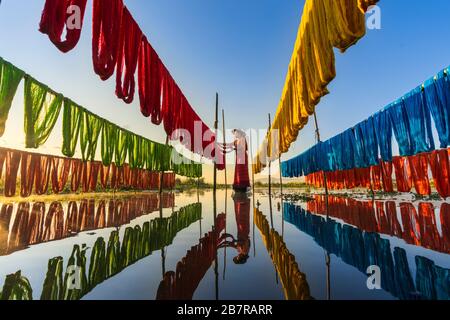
(295, 285)
(325, 24)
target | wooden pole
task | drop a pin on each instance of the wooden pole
(216, 126)
(224, 142)
(281, 197)
(270, 163)
(161, 185)
(253, 172)
(324, 175)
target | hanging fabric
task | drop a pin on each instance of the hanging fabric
(376, 177)
(403, 176)
(440, 169)
(437, 95)
(419, 121)
(42, 108)
(90, 129)
(386, 176)
(383, 131)
(42, 176)
(76, 174)
(72, 118)
(104, 176)
(10, 77)
(122, 146)
(11, 170)
(127, 57)
(400, 125)
(107, 22)
(419, 171)
(150, 82)
(63, 14)
(60, 173)
(27, 173)
(109, 140)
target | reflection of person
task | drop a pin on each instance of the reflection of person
(242, 243)
(241, 176)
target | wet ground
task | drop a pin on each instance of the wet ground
(247, 248)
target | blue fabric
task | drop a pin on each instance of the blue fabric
(437, 96)
(366, 146)
(419, 121)
(400, 125)
(383, 132)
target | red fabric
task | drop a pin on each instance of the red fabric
(430, 237)
(11, 171)
(150, 82)
(60, 174)
(386, 175)
(107, 20)
(54, 20)
(402, 174)
(27, 172)
(445, 225)
(440, 169)
(127, 58)
(376, 177)
(42, 177)
(104, 175)
(419, 171)
(77, 171)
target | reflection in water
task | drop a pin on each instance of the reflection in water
(415, 226)
(106, 260)
(35, 223)
(181, 285)
(362, 249)
(293, 281)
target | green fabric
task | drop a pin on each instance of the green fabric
(109, 138)
(77, 259)
(113, 255)
(135, 152)
(91, 127)
(122, 146)
(42, 108)
(53, 283)
(10, 78)
(186, 167)
(97, 269)
(16, 288)
(72, 116)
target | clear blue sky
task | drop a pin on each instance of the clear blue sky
(242, 50)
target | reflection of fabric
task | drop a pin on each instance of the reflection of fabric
(57, 14)
(10, 78)
(431, 280)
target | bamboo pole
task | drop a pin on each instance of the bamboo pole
(253, 172)
(224, 142)
(161, 185)
(216, 126)
(270, 163)
(324, 175)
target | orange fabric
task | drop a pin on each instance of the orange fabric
(419, 171)
(440, 169)
(104, 176)
(429, 234)
(60, 174)
(11, 171)
(445, 226)
(386, 175)
(402, 174)
(376, 177)
(42, 177)
(410, 221)
(27, 172)
(77, 170)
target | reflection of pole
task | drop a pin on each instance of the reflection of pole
(225, 248)
(328, 263)
(253, 172)
(161, 175)
(270, 163)
(224, 142)
(163, 262)
(281, 197)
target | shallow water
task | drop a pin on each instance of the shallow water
(250, 248)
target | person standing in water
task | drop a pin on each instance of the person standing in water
(241, 176)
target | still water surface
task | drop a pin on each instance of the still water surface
(248, 248)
